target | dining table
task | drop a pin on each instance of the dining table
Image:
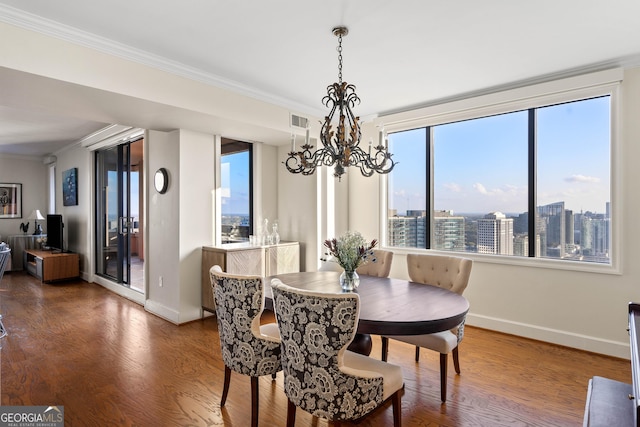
(388, 306)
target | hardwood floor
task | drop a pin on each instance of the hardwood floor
(110, 363)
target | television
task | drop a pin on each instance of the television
(55, 234)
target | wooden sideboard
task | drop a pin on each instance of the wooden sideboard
(51, 265)
(243, 258)
(20, 243)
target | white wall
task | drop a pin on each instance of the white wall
(297, 212)
(195, 178)
(77, 218)
(163, 227)
(267, 185)
(32, 174)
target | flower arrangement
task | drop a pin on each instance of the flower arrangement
(351, 250)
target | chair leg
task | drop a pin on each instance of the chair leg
(385, 348)
(225, 387)
(291, 414)
(417, 354)
(456, 361)
(443, 377)
(3, 330)
(397, 406)
(254, 401)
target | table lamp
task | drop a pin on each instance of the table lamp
(36, 215)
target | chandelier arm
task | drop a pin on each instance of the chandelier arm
(381, 162)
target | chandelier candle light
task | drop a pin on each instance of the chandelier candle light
(340, 145)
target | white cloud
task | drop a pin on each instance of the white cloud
(480, 188)
(453, 187)
(582, 178)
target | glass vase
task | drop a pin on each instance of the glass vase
(275, 237)
(349, 281)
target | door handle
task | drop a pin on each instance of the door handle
(124, 224)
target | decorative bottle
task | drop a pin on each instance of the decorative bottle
(275, 237)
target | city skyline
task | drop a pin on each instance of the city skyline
(559, 233)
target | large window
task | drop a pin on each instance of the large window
(236, 176)
(528, 183)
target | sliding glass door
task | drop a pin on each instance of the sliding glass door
(119, 254)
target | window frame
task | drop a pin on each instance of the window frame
(233, 146)
(602, 83)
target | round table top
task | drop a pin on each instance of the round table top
(388, 306)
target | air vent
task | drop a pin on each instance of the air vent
(299, 122)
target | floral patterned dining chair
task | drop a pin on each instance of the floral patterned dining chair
(320, 375)
(248, 348)
(5, 254)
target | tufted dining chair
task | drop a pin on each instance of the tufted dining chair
(320, 375)
(248, 348)
(447, 272)
(330, 264)
(380, 267)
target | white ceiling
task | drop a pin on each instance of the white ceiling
(399, 54)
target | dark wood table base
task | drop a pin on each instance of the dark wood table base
(361, 344)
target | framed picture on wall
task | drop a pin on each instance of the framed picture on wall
(70, 187)
(10, 200)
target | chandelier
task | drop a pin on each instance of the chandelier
(340, 140)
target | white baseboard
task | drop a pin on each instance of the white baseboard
(567, 339)
(163, 311)
(123, 291)
(171, 314)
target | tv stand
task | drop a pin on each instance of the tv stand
(52, 265)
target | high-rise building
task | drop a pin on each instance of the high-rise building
(595, 238)
(408, 232)
(521, 245)
(521, 223)
(448, 231)
(569, 227)
(495, 234)
(553, 216)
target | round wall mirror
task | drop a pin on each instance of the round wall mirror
(161, 180)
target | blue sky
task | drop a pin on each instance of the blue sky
(481, 165)
(113, 194)
(235, 183)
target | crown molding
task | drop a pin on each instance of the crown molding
(31, 158)
(630, 61)
(48, 27)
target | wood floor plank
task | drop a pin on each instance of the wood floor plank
(110, 363)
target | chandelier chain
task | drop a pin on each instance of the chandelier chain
(339, 49)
